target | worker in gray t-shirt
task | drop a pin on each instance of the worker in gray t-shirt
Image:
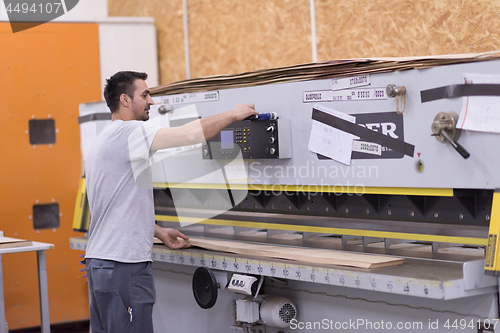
(122, 224)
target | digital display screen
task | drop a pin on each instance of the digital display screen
(226, 139)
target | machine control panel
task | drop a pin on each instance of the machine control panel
(256, 139)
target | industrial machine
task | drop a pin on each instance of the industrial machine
(393, 157)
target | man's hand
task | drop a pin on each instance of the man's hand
(170, 237)
(200, 130)
(242, 111)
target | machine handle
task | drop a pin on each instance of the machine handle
(263, 116)
(461, 150)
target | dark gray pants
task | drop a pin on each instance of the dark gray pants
(121, 296)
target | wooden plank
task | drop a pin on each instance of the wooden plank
(7, 242)
(308, 255)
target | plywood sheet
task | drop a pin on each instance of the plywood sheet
(7, 242)
(308, 255)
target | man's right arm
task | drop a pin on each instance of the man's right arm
(200, 130)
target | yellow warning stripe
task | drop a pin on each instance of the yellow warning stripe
(80, 203)
(326, 230)
(442, 192)
(492, 259)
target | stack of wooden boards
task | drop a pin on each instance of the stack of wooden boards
(303, 255)
(315, 71)
(7, 242)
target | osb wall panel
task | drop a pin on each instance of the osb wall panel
(169, 29)
(233, 36)
(387, 28)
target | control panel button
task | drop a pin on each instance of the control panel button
(271, 139)
(272, 151)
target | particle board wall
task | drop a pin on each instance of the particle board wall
(169, 29)
(228, 36)
(394, 28)
(233, 36)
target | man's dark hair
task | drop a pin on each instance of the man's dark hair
(121, 83)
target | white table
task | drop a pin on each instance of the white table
(42, 283)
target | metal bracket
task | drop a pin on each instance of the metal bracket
(474, 277)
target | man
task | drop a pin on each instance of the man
(122, 223)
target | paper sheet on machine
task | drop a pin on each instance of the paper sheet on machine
(330, 141)
(480, 113)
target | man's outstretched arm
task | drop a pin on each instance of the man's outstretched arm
(200, 130)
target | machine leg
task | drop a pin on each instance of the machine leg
(3, 323)
(44, 294)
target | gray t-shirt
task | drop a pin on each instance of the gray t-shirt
(120, 193)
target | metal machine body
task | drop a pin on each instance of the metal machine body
(415, 197)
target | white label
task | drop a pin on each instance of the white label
(191, 98)
(359, 94)
(317, 96)
(344, 95)
(351, 82)
(367, 147)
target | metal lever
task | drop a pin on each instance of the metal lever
(444, 129)
(458, 147)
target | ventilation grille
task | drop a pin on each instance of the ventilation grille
(287, 312)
